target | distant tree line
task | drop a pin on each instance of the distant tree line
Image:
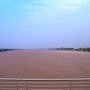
(4, 50)
(61, 48)
(64, 48)
(83, 49)
(72, 49)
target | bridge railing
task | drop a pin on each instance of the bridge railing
(44, 84)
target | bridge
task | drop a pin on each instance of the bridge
(45, 84)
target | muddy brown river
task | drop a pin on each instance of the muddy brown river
(44, 64)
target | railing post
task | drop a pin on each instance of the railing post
(17, 85)
(70, 85)
(27, 85)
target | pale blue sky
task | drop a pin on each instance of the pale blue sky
(44, 23)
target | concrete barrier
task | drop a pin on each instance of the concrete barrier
(45, 84)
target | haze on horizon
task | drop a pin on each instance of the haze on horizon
(44, 23)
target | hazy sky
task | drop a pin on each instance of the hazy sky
(44, 23)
